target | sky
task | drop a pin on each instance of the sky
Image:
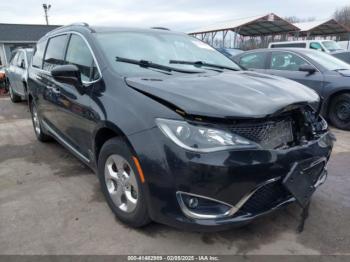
(179, 15)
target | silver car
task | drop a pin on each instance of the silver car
(17, 74)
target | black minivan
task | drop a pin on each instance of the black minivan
(177, 132)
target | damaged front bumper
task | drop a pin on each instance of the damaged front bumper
(218, 190)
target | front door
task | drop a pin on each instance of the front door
(287, 64)
(73, 115)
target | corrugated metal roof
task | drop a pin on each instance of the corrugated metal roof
(23, 32)
(322, 27)
(252, 26)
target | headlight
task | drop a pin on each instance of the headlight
(200, 138)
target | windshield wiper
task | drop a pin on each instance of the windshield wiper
(201, 63)
(149, 64)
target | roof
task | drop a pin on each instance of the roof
(252, 26)
(323, 27)
(23, 32)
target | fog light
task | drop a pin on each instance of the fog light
(201, 207)
(193, 202)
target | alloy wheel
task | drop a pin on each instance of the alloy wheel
(343, 111)
(11, 92)
(36, 121)
(121, 183)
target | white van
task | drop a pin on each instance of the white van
(327, 46)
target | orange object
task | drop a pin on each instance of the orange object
(138, 166)
(2, 76)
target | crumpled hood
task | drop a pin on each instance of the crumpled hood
(225, 95)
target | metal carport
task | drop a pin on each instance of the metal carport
(321, 28)
(257, 26)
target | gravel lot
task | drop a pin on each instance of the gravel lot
(50, 203)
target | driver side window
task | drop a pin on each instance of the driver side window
(79, 54)
(286, 61)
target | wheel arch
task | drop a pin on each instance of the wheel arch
(103, 133)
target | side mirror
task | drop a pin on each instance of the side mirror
(23, 64)
(307, 68)
(68, 74)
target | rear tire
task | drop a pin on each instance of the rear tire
(14, 97)
(41, 135)
(121, 184)
(339, 113)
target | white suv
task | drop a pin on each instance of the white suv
(327, 46)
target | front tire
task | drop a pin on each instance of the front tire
(14, 97)
(339, 113)
(120, 183)
(37, 125)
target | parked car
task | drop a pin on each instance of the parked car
(342, 55)
(17, 74)
(327, 75)
(230, 52)
(327, 46)
(193, 143)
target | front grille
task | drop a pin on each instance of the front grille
(270, 134)
(265, 198)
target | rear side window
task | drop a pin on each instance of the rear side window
(54, 54)
(296, 45)
(79, 54)
(39, 54)
(253, 61)
(316, 46)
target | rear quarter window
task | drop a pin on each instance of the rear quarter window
(253, 61)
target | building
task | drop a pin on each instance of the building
(13, 36)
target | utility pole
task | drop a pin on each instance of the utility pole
(46, 10)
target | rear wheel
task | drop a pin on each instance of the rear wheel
(121, 184)
(39, 132)
(14, 97)
(339, 113)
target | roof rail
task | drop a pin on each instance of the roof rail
(73, 24)
(160, 28)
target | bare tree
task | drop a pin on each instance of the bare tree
(295, 19)
(342, 15)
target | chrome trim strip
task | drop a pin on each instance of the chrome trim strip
(88, 45)
(229, 213)
(65, 143)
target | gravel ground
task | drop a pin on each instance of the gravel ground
(50, 203)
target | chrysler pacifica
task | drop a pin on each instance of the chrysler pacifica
(177, 132)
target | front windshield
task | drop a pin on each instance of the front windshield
(157, 47)
(327, 61)
(331, 45)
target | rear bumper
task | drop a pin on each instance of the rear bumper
(227, 177)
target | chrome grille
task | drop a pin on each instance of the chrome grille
(270, 134)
